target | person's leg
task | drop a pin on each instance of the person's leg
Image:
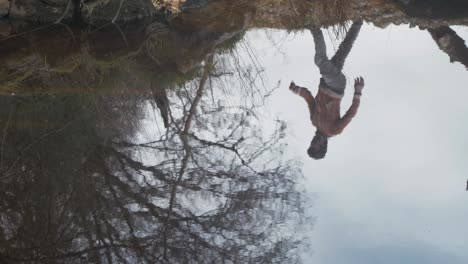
(320, 47)
(326, 67)
(331, 75)
(346, 45)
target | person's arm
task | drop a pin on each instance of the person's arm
(352, 111)
(304, 93)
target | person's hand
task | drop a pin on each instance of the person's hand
(292, 86)
(358, 85)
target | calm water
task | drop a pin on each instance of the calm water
(157, 144)
(392, 186)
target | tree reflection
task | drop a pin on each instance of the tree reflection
(80, 185)
(451, 43)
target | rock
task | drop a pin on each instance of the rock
(41, 11)
(105, 11)
(5, 29)
(194, 4)
(92, 11)
(4, 6)
(382, 24)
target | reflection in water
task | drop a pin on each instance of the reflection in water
(87, 175)
(82, 182)
(162, 102)
(435, 8)
(450, 43)
(325, 107)
(77, 186)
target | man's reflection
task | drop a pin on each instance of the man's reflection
(325, 107)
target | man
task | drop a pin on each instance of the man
(325, 107)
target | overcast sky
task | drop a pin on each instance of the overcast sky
(391, 189)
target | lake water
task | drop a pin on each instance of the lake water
(188, 147)
(392, 186)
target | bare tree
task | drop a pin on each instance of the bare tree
(451, 43)
(212, 188)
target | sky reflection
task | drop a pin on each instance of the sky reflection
(392, 187)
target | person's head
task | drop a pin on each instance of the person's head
(318, 146)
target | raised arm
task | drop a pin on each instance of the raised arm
(352, 111)
(304, 93)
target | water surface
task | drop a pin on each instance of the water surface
(173, 142)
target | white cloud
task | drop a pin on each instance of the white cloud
(397, 173)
